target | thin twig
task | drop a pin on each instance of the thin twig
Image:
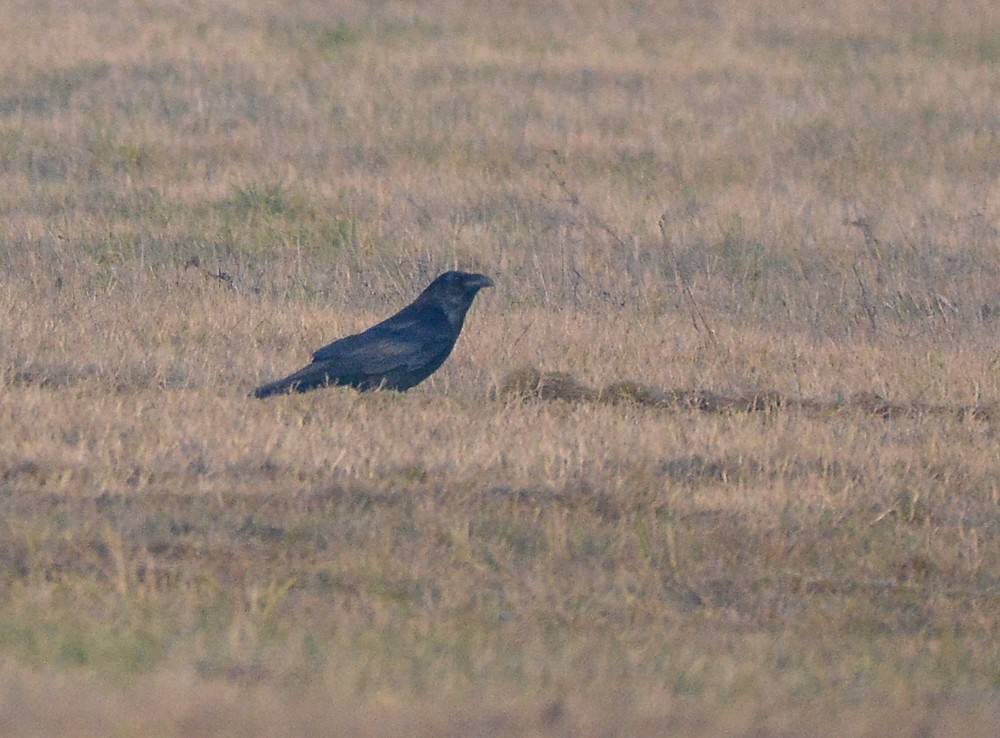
(195, 263)
(696, 315)
(576, 202)
(866, 301)
(865, 226)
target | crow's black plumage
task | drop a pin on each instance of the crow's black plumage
(399, 352)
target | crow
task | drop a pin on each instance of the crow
(399, 352)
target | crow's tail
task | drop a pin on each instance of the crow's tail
(304, 379)
(273, 388)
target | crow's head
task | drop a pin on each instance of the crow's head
(454, 292)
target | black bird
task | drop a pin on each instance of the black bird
(399, 352)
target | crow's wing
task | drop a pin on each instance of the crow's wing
(413, 338)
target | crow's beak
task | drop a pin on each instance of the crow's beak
(478, 281)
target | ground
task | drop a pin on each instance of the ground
(717, 455)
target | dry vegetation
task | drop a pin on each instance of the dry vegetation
(195, 195)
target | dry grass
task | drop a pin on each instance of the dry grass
(195, 196)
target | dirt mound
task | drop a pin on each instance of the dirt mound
(531, 384)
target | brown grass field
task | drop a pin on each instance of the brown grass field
(718, 456)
